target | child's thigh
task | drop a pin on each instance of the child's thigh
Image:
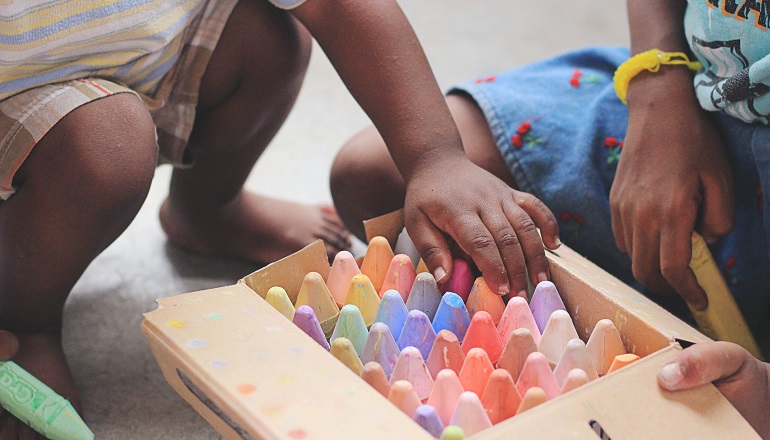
(64, 140)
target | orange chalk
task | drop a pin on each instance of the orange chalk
(343, 350)
(344, 268)
(520, 344)
(517, 315)
(537, 373)
(377, 261)
(421, 267)
(482, 298)
(470, 415)
(483, 334)
(575, 356)
(402, 395)
(475, 372)
(361, 293)
(446, 353)
(532, 398)
(501, 399)
(374, 375)
(558, 332)
(315, 294)
(446, 391)
(575, 378)
(621, 361)
(400, 276)
(603, 345)
(411, 367)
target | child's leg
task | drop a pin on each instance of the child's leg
(365, 182)
(80, 187)
(250, 84)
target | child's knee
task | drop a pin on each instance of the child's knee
(105, 150)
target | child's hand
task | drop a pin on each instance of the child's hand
(490, 221)
(741, 378)
(673, 168)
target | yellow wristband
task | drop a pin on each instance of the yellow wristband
(650, 60)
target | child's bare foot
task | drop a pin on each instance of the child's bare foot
(254, 227)
(42, 356)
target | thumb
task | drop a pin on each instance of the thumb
(701, 364)
(9, 345)
(433, 247)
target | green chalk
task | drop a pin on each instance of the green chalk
(452, 432)
(37, 405)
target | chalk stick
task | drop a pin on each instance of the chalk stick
(279, 299)
(575, 356)
(621, 361)
(452, 433)
(350, 325)
(520, 344)
(452, 315)
(343, 349)
(517, 315)
(305, 319)
(381, 347)
(417, 332)
(426, 416)
(400, 276)
(374, 375)
(545, 300)
(402, 395)
(470, 414)
(575, 378)
(362, 294)
(445, 393)
(344, 268)
(392, 312)
(558, 332)
(315, 294)
(410, 366)
(537, 373)
(532, 398)
(483, 334)
(424, 295)
(475, 372)
(377, 261)
(482, 298)
(461, 280)
(603, 345)
(500, 399)
(446, 353)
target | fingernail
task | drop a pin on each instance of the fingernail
(710, 239)
(504, 289)
(524, 294)
(557, 241)
(671, 375)
(700, 306)
(542, 276)
(439, 274)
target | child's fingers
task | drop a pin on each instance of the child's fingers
(542, 216)
(509, 245)
(531, 244)
(703, 363)
(9, 345)
(718, 210)
(432, 246)
(675, 255)
(618, 229)
(476, 240)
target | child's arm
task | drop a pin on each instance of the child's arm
(742, 379)
(673, 167)
(377, 55)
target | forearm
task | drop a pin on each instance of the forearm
(377, 55)
(659, 24)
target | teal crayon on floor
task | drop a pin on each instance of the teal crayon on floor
(37, 405)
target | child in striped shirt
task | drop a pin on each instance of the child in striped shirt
(94, 94)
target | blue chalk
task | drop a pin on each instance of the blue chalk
(392, 312)
(452, 315)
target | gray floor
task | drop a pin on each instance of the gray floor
(125, 394)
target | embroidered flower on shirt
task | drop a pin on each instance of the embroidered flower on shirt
(488, 79)
(571, 223)
(615, 146)
(524, 136)
(578, 78)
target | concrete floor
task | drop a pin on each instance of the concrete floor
(125, 395)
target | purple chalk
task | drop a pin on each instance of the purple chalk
(381, 348)
(545, 301)
(392, 312)
(418, 332)
(427, 417)
(425, 295)
(305, 319)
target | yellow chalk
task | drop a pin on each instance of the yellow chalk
(722, 320)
